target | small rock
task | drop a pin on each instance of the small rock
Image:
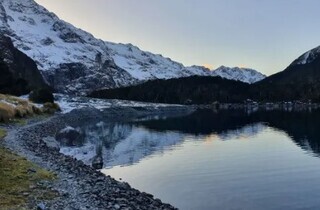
(41, 206)
(51, 142)
(116, 206)
(32, 170)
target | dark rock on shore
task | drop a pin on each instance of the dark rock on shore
(41, 95)
(97, 162)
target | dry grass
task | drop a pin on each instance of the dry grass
(50, 108)
(7, 112)
(13, 99)
(12, 107)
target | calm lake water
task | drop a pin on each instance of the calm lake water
(209, 160)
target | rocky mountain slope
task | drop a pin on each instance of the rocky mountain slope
(144, 65)
(73, 61)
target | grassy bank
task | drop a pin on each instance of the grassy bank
(22, 184)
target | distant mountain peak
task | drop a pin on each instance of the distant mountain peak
(246, 75)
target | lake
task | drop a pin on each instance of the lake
(214, 160)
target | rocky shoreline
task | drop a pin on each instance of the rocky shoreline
(80, 186)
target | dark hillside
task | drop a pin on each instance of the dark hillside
(188, 90)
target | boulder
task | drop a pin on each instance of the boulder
(42, 95)
(97, 162)
(70, 136)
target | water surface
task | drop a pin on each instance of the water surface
(214, 160)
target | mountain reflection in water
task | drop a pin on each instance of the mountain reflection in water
(128, 143)
(214, 160)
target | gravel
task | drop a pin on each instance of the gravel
(80, 186)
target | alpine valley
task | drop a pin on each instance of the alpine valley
(40, 50)
(75, 62)
(88, 124)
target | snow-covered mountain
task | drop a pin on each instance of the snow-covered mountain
(240, 74)
(74, 61)
(144, 65)
(307, 57)
(70, 59)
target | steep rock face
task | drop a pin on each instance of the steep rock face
(18, 73)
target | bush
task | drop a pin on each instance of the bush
(20, 111)
(7, 112)
(50, 108)
(12, 107)
(41, 96)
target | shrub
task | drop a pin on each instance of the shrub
(20, 111)
(13, 107)
(50, 108)
(36, 110)
(7, 112)
(41, 96)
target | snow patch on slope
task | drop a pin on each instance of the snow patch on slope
(307, 57)
(47, 39)
(68, 103)
(144, 65)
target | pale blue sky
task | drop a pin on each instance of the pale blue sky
(266, 35)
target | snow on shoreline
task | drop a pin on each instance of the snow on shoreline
(69, 103)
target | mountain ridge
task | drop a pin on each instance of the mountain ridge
(300, 81)
(72, 60)
(246, 75)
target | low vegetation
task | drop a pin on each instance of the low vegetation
(3, 133)
(14, 108)
(20, 182)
